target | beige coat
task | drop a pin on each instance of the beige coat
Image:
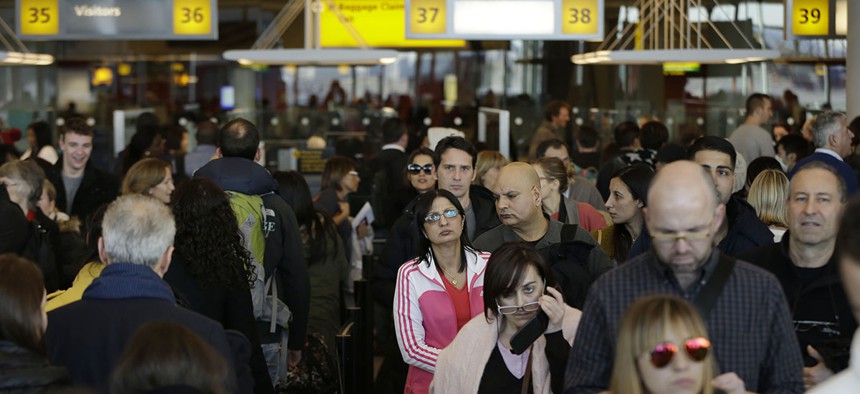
(461, 364)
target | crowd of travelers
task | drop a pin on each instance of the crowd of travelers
(719, 265)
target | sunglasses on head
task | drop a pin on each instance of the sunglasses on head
(696, 348)
(415, 169)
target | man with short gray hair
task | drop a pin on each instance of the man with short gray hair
(88, 336)
(832, 140)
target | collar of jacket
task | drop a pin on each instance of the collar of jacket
(239, 175)
(125, 280)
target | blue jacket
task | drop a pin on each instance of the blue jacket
(284, 248)
(89, 336)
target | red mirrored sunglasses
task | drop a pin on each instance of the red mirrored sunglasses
(696, 348)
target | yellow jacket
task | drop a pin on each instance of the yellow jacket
(86, 275)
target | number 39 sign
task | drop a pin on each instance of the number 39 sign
(809, 18)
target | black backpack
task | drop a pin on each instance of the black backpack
(568, 261)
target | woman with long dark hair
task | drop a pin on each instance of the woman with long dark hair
(440, 291)
(210, 271)
(324, 254)
(23, 357)
(628, 195)
(39, 138)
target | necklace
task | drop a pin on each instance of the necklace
(451, 278)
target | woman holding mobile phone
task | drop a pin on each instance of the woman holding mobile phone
(517, 287)
(663, 347)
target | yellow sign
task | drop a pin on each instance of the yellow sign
(580, 17)
(349, 23)
(192, 17)
(810, 17)
(427, 17)
(39, 17)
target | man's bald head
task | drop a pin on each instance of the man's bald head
(683, 178)
(683, 216)
(522, 173)
(518, 196)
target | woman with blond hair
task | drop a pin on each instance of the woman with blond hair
(554, 177)
(768, 195)
(487, 168)
(663, 347)
(151, 177)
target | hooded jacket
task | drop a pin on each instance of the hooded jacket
(284, 250)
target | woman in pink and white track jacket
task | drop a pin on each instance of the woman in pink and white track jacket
(439, 292)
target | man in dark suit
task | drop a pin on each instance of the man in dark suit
(88, 336)
(389, 192)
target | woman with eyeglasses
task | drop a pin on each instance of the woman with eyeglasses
(554, 176)
(518, 285)
(439, 292)
(663, 347)
(339, 179)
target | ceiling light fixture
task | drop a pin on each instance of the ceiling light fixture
(664, 33)
(315, 57)
(19, 55)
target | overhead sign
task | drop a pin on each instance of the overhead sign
(505, 19)
(814, 18)
(371, 23)
(117, 19)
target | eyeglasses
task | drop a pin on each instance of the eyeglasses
(416, 169)
(510, 310)
(671, 238)
(353, 173)
(434, 217)
(696, 348)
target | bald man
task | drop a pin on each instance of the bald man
(518, 204)
(747, 316)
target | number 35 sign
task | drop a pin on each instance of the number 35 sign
(810, 18)
(117, 19)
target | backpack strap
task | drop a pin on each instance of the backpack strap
(568, 232)
(707, 297)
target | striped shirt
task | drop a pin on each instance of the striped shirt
(750, 325)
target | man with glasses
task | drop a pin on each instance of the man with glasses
(744, 308)
(742, 230)
(518, 203)
(805, 264)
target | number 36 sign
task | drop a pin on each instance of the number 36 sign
(117, 19)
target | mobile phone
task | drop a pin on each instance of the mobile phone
(529, 333)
